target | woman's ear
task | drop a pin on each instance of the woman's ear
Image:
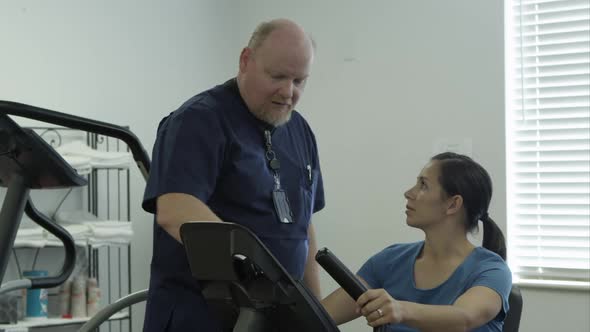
(454, 204)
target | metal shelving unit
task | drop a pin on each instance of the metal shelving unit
(107, 197)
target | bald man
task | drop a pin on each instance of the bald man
(215, 159)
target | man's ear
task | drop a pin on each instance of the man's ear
(454, 204)
(244, 58)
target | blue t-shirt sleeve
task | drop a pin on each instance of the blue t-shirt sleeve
(496, 275)
(188, 155)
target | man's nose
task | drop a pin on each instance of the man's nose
(286, 90)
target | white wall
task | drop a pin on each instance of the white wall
(391, 79)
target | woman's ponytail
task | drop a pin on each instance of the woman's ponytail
(493, 239)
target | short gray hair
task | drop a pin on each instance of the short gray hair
(264, 29)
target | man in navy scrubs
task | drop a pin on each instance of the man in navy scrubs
(239, 153)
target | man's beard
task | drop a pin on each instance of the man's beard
(273, 118)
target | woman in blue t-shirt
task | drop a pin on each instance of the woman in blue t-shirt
(443, 283)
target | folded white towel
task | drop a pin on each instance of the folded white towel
(29, 243)
(30, 237)
(55, 242)
(79, 232)
(84, 228)
(110, 232)
(30, 232)
(99, 159)
(96, 243)
(81, 164)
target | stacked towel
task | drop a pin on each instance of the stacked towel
(98, 159)
(84, 228)
(80, 164)
(103, 233)
(79, 232)
(100, 232)
(33, 237)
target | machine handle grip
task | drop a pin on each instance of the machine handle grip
(339, 272)
(344, 277)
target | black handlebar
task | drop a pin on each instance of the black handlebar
(344, 277)
(339, 272)
(76, 122)
(64, 237)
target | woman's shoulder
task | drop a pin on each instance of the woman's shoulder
(486, 260)
(484, 254)
(392, 263)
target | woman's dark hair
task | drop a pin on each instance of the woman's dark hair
(460, 175)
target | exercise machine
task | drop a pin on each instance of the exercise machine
(246, 287)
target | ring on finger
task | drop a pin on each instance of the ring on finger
(380, 312)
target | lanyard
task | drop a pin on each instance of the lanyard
(271, 157)
(279, 196)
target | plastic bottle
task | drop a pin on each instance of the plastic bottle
(78, 308)
(65, 299)
(93, 297)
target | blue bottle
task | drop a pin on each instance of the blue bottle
(36, 298)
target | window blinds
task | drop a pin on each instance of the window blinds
(548, 130)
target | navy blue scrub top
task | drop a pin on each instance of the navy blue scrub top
(213, 148)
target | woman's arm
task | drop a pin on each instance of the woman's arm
(311, 273)
(341, 307)
(474, 308)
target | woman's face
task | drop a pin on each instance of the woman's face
(426, 200)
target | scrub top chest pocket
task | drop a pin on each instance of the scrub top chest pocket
(298, 180)
(279, 196)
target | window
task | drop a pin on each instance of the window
(548, 141)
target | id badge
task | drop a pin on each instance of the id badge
(279, 197)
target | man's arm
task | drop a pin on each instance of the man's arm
(175, 209)
(311, 275)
